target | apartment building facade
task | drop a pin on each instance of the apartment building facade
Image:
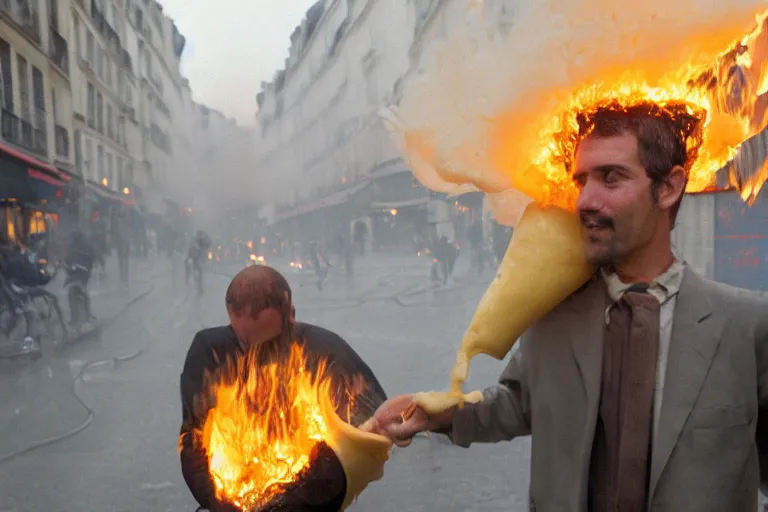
(34, 72)
(324, 157)
(91, 94)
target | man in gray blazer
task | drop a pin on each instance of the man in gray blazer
(642, 390)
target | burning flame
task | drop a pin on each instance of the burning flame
(261, 434)
(513, 127)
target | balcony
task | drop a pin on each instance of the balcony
(156, 83)
(24, 14)
(104, 28)
(160, 138)
(21, 133)
(126, 61)
(59, 51)
(163, 108)
(62, 142)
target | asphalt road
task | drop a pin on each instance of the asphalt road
(127, 459)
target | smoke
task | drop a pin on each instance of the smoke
(478, 81)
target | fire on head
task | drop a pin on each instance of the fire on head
(631, 166)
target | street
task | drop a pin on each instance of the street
(127, 459)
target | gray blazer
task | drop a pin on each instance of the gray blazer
(705, 456)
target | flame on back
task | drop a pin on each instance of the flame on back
(266, 422)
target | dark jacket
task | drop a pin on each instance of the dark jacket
(210, 350)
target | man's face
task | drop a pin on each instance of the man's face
(267, 325)
(618, 212)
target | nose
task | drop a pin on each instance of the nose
(590, 197)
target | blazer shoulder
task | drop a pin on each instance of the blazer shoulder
(726, 294)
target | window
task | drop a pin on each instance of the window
(121, 86)
(110, 177)
(78, 40)
(91, 106)
(121, 131)
(88, 158)
(99, 113)
(99, 162)
(78, 151)
(53, 14)
(39, 97)
(21, 63)
(99, 62)
(54, 106)
(110, 121)
(120, 178)
(6, 75)
(89, 48)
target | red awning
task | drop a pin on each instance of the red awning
(59, 176)
(42, 176)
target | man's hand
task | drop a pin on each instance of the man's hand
(389, 420)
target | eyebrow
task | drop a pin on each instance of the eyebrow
(601, 169)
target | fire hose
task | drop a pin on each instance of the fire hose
(90, 413)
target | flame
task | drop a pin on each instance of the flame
(506, 125)
(261, 434)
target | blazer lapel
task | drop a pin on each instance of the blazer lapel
(693, 344)
(585, 327)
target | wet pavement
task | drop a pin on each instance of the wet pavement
(127, 460)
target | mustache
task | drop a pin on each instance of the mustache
(593, 220)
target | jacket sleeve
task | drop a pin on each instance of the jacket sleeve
(505, 411)
(761, 433)
(194, 460)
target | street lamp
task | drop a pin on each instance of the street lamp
(393, 212)
(126, 190)
(105, 182)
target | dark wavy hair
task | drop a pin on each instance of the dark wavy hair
(668, 135)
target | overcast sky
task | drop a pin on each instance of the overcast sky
(232, 45)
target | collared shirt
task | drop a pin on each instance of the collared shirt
(665, 288)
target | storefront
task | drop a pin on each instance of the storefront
(31, 195)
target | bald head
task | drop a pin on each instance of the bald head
(257, 288)
(259, 303)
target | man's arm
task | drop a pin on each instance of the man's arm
(505, 411)
(194, 460)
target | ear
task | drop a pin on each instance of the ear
(672, 188)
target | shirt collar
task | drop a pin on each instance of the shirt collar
(664, 287)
